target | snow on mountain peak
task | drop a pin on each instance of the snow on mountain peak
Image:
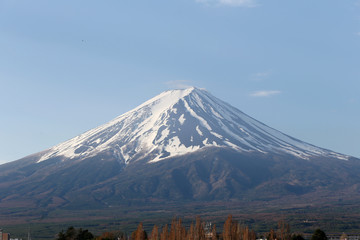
(177, 122)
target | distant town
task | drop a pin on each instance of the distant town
(199, 230)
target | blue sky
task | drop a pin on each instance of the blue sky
(69, 66)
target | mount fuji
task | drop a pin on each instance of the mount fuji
(182, 145)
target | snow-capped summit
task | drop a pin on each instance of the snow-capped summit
(178, 122)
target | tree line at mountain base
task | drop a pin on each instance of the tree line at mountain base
(201, 230)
